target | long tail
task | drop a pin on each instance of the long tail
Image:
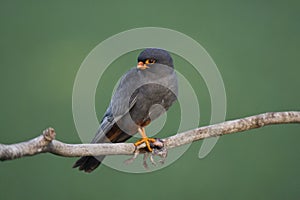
(90, 163)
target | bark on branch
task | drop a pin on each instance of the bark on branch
(46, 142)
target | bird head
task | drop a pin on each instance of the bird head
(152, 56)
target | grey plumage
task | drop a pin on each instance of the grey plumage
(133, 104)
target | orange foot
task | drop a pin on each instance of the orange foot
(144, 139)
(147, 141)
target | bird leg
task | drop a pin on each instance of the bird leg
(144, 139)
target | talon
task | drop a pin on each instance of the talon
(147, 141)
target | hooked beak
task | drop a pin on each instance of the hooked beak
(142, 66)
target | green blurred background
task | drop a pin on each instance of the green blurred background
(255, 45)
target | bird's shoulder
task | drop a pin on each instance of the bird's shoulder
(131, 74)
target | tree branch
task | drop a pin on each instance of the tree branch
(46, 142)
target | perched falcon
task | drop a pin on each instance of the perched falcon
(143, 94)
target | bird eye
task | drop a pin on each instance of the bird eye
(150, 61)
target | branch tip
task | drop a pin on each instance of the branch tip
(49, 134)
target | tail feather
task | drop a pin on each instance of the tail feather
(88, 163)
